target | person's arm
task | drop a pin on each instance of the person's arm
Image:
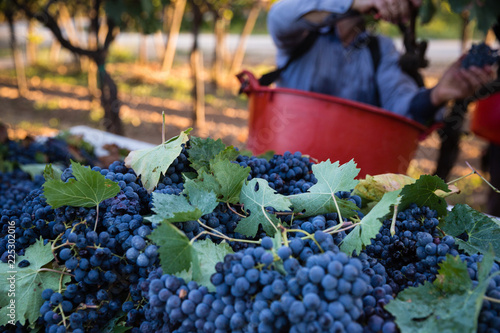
(290, 20)
(287, 24)
(460, 83)
(456, 83)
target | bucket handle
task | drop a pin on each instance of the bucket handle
(248, 82)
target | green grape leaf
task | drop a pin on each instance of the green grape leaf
(320, 197)
(151, 163)
(36, 169)
(448, 305)
(175, 250)
(52, 173)
(203, 199)
(453, 276)
(88, 190)
(228, 154)
(230, 177)
(370, 225)
(117, 324)
(255, 196)
(202, 151)
(422, 193)
(481, 229)
(173, 208)
(29, 284)
(193, 261)
(206, 254)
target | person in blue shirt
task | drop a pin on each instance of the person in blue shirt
(339, 62)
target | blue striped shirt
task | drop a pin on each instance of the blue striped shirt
(343, 71)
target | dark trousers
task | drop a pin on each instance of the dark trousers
(494, 163)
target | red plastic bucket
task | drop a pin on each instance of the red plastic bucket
(326, 127)
(485, 120)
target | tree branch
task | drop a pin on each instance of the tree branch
(110, 36)
(94, 21)
(51, 23)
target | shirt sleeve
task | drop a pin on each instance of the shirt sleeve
(285, 22)
(398, 91)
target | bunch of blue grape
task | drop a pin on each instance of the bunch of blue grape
(374, 317)
(50, 150)
(324, 294)
(327, 221)
(287, 174)
(411, 255)
(480, 55)
(489, 316)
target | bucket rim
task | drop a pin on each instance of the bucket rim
(256, 88)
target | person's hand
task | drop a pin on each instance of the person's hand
(460, 83)
(395, 11)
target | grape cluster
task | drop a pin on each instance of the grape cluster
(322, 295)
(480, 55)
(48, 150)
(287, 174)
(411, 256)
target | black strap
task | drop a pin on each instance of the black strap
(299, 51)
(374, 47)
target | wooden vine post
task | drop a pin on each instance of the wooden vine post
(239, 53)
(175, 26)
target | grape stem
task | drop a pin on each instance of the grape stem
(484, 179)
(54, 271)
(60, 291)
(393, 223)
(232, 209)
(337, 228)
(338, 209)
(491, 299)
(347, 228)
(55, 248)
(269, 220)
(460, 178)
(96, 217)
(218, 234)
(284, 235)
(309, 236)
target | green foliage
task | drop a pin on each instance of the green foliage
(30, 281)
(422, 193)
(427, 11)
(202, 151)
(482, 231)
(485, 12)
(217, 172)
(256, 196)
(195, 259)
(321, 199)
(177, 208)
(450, 304)
(88, 190)
(142, 15)
(37, 169)
(370, 225)
(151, 163)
